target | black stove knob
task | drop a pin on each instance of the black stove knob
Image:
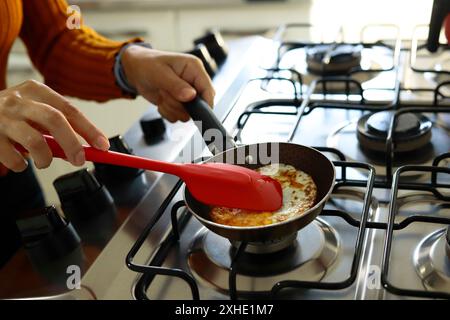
(153, 127)
(39, 226)
(215, 44)
(201, 52)
(88, 204)
(110, 173)
(51, 242)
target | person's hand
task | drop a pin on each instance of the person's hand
(167, 79)
(29, 110)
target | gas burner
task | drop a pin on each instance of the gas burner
(432, 261)
(333, 59)
(268, 246)
(413, 131)
(344, 138)
(368, 67)
(309, 256)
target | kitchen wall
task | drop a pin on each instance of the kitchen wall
(173, 24)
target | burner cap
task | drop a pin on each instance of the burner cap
(413, 131)
(407, 124)
(333, 59)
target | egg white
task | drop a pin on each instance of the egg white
(299, 195)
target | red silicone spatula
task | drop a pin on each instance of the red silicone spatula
(216, 184)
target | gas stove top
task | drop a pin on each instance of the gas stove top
(379, 110)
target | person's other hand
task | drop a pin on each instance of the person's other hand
(167, 79)
(29, 110)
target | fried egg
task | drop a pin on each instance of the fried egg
(299, 195)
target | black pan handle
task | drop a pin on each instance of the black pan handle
(213, 132)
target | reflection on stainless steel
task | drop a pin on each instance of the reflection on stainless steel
(310, 257)
(78, 294)
(432, 263)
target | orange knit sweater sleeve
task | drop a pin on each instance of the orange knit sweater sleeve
(74, 62)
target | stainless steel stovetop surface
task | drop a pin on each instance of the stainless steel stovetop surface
(323, 251)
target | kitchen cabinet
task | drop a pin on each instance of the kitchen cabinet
(156, 27)
(175, 24)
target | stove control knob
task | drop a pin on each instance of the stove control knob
(88, 205)
(153, 127)
(110, 173)
(37, 225)
(82, 195)
(201, 52)
(51, 242)
(215, 44)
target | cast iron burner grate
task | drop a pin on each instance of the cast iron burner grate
(397, 110)
(180, 217)
(389, 143)
(339, 63)
(433, 187)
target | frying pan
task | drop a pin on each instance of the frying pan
(307, 159)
